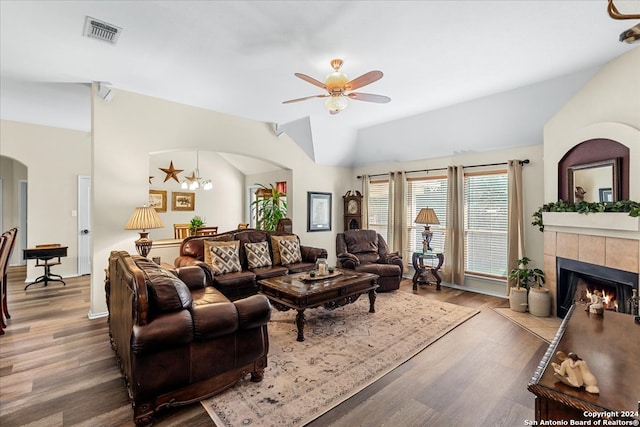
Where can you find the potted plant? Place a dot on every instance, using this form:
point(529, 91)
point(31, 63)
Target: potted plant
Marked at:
point(196, 222)
point(270, 207)
point(527, 278)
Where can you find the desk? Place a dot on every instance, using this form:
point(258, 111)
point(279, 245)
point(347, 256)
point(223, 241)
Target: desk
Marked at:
point(46, 253)
point(610, 345)
point(422, 270)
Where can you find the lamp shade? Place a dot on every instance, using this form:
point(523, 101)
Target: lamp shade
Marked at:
point(427, 216)
point(144, 218)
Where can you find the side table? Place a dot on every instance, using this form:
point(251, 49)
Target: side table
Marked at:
point(423, 269)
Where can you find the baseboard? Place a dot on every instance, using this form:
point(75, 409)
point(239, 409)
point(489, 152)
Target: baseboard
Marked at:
point(93, 316)
point(469, 289)
point(476, 290)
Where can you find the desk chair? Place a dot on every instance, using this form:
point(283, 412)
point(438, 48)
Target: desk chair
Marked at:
point(181, 231)
point(207, 231)
point(46, 260)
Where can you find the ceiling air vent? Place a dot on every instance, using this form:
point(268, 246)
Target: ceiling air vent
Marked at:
point(101, 30)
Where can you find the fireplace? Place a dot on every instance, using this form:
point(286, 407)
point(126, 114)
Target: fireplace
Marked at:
point(577, 280)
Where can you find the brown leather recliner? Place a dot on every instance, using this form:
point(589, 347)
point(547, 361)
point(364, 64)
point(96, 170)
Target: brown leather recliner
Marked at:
point(366, 250)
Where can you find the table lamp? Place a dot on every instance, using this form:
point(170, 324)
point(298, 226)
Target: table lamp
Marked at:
point(427, 216)
point(144, 218)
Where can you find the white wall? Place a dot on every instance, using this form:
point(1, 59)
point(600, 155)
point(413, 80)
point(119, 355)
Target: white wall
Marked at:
point(129, 127)
point(498, 121)
point(607, 107)
point(221, 206)
point(54, 158)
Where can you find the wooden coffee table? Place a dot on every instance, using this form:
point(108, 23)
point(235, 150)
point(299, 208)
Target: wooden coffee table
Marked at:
point(299, 292)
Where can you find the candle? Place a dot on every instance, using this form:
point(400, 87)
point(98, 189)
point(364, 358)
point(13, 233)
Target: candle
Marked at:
point(322, 269)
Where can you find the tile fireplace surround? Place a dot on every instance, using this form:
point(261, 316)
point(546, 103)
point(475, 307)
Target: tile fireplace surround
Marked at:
point(606, 239)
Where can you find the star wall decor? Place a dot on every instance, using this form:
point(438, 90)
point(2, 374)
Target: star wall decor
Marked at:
point(150, 178)
point(171, 172)
point(192, 178)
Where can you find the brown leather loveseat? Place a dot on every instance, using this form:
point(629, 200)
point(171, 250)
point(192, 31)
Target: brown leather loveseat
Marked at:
point(260, 255)
point(366, 250)
point(178, 340)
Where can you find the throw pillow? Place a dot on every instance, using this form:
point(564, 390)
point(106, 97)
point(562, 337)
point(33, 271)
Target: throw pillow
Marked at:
point(290, 252)
point(225, 257)
point(275, 246)
point(257, 254)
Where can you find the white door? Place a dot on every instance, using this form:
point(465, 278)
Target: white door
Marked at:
point(23, 189)
point(84, 225)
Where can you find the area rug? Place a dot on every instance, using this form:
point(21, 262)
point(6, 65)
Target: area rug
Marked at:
point(344, 351)
point(543, 327)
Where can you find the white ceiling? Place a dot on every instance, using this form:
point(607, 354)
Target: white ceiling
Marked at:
point(238, 57)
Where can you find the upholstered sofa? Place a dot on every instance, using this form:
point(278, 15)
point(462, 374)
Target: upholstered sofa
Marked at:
point(367, 251)
point(234, 261)
point(176, 339)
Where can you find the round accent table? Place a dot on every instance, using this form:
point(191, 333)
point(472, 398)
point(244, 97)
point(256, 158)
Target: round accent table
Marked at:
point(425, 263)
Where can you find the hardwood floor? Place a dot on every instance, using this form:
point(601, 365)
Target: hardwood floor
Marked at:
point(57, 369)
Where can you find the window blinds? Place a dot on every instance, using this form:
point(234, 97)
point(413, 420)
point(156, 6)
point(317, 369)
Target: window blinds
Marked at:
point(485, 224)
point(379, 207)
point(426, 193)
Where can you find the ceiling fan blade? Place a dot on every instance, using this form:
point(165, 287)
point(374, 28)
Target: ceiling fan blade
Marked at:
point(381, 99)
point(305, 98)
point(311, 80)
point(363, 80)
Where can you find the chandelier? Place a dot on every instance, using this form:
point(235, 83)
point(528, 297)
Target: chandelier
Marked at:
point(195, 181)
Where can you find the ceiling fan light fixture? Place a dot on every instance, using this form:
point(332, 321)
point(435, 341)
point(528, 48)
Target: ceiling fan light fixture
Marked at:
point(336, 81)
point(336, 103)
point(339, 88)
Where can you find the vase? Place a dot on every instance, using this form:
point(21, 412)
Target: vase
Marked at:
point(540, 302)
point(518, 299)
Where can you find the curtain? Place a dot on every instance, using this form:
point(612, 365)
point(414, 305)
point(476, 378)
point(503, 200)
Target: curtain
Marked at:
point(515, 225)
point(397, 224)
point(453, 271)
point(365, 202)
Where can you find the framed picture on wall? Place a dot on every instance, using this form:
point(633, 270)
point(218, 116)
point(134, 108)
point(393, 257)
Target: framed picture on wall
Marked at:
point(318, 211)
point(158, 200)
point(183, 201)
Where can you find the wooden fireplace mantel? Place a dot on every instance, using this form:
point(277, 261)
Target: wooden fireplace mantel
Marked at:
point(610, 344)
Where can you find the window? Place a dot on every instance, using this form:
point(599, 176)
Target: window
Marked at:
point(426, 193)
point(379, 207)
point(485, 224)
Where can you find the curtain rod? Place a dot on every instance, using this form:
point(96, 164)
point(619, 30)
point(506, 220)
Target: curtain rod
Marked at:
point(522, 162)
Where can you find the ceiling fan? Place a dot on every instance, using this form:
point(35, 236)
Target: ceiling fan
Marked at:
point(339, 87)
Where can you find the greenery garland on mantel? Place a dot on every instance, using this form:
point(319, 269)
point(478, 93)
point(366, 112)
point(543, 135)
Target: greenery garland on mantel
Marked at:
point(633, 208)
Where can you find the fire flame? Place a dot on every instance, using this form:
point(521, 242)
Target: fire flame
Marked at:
point(608, 299)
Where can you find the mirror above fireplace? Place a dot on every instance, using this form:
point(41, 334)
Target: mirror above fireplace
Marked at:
point(594, 165)
point(594, 182)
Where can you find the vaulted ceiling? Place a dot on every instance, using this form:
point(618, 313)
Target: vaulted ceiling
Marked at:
point(239, 57)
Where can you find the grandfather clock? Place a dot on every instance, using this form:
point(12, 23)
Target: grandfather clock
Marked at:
point(352, 210)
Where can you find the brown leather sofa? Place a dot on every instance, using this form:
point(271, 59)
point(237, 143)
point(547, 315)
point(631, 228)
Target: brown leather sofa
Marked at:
point(176, 339)
point(242, 283)
point(366, 250)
